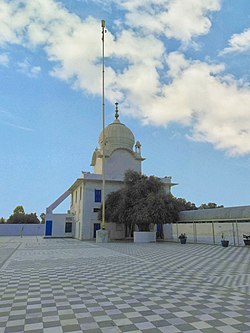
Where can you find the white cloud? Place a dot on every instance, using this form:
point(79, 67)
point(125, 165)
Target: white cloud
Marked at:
point(177, 19)
point(71, 44)
point(238, 43)
point(20, 127)
point(196, 94)
point(215, 107)
point(74, 45)
point(77, 53)
point(6, 115)
point(10, 119)
point(4, 59)
point(26, 68)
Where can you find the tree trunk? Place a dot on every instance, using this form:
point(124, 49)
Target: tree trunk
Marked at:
point(129, 230)
point(143, 227)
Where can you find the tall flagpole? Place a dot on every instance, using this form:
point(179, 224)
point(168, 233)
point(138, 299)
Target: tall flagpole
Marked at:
point(103, 131)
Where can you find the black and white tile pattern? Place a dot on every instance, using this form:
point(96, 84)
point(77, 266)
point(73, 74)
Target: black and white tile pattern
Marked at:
point(65, 285)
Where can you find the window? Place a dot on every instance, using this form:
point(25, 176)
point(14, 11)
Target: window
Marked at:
point(98, 196)
point(80, 193)
point(72, 198)
point(76, 195)
point(96, 210)
point(68, 227)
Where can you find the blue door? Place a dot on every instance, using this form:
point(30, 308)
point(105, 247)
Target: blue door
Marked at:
point(159, 231)
point(48, 230)
point(97, 226)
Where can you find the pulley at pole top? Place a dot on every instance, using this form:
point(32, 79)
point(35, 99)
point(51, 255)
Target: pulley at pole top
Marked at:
point(103, 29)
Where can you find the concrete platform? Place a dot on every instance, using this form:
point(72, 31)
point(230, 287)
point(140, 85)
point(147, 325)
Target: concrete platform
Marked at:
point(65, 285)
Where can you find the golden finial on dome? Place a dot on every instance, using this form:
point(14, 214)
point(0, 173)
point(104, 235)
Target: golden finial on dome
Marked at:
point(116, 111)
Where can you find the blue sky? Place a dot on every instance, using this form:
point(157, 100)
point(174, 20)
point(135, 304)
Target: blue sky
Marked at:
point(180, 71)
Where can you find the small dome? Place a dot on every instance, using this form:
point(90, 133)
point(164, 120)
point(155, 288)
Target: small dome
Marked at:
point(118, 136)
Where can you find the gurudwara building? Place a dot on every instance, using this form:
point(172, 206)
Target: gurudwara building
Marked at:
point(122, 153)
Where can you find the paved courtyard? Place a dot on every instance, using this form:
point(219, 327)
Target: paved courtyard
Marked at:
point(57, 285)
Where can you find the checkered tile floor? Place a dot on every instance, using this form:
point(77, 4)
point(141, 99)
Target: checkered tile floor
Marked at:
point(57, 285)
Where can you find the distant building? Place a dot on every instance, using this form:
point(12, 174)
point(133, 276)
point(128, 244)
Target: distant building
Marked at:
point(213, 223)
point(122, 153)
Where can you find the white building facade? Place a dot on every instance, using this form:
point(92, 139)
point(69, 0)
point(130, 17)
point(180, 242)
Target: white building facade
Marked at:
point(122, 153)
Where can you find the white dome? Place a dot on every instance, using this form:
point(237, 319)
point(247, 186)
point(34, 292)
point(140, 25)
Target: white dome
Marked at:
point(118, 136)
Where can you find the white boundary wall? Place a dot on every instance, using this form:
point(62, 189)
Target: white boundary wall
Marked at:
point(27, 229)
point(144, 236)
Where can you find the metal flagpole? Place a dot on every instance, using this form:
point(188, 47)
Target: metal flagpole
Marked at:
point(103, 131)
